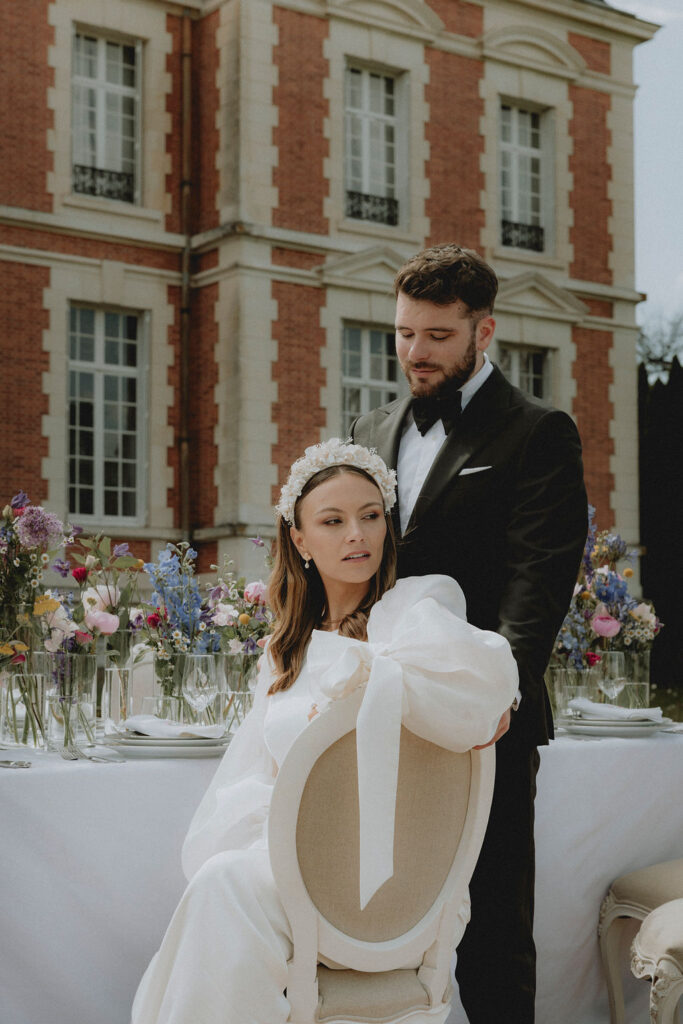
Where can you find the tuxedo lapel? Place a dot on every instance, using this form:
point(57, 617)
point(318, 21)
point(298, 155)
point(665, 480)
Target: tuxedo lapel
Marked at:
point(387, 435)
point(479, 424)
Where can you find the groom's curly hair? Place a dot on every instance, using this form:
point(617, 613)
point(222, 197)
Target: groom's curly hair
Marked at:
point(445, 273)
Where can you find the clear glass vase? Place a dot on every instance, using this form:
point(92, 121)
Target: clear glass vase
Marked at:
point(71, 698)
point(22, 707)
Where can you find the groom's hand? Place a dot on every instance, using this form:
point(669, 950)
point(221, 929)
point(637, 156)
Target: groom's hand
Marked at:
point(503, 727)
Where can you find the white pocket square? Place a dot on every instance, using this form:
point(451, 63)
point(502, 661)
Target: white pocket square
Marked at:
point(474, 469)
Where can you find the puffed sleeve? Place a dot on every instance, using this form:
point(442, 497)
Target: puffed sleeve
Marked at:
point(234, 809)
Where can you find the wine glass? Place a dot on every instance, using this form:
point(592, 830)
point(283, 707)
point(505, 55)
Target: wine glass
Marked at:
point(200, 680)
point(611, 673)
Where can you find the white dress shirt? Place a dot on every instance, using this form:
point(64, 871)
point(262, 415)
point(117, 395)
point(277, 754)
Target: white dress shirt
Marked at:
point(416, 453)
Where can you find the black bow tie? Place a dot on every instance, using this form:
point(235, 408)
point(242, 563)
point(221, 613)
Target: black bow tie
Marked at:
point(426, 411)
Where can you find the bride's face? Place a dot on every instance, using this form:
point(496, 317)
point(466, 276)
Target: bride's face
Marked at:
point(342, 529)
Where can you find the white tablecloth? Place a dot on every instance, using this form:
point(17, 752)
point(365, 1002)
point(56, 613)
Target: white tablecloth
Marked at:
point(90, 872)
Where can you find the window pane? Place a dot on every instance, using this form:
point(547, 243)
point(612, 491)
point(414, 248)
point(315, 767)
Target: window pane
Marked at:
point(111, 503)
point(129, 503)
point(128, 474)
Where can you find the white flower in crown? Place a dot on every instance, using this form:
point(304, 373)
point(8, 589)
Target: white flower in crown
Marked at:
point(335, 452)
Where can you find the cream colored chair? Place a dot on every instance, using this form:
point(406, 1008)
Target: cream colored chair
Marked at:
point(391, 961)
point(633, 895)
point(658, 955)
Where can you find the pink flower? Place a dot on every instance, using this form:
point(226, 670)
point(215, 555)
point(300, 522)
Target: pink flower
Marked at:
point(154, 620)
point(592, 658)
point(80, 574)
point(255, 593)
point(105, 622)
point(83, 638)
point(224, 615)
point(603, 623)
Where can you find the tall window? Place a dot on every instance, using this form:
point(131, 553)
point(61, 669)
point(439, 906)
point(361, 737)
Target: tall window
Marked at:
point(371, 134)
point(526, 368)
point(105, 449)
point(522, 177)
point(105, 93)
point(371, 374)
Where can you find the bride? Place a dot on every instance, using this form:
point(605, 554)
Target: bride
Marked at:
point(224, 957)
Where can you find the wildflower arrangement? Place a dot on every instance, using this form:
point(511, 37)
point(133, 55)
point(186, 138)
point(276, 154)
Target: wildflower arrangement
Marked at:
point(239, 612)
point(177, 620)
point(107, 579)
point(603, 616)
point(29, 537)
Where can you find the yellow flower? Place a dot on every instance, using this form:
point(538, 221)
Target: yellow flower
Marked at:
point(585, 594)
point(44, 603)
point(628, 573)
point(6, 649)
point(19, 647)
point(244, 619)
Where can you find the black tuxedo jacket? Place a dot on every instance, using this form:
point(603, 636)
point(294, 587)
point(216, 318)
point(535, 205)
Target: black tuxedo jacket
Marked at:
point(510, 530)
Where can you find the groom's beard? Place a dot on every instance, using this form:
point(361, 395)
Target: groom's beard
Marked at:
point(454, 375)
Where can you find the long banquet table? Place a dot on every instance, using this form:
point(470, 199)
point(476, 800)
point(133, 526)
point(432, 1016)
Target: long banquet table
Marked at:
point(90, 872)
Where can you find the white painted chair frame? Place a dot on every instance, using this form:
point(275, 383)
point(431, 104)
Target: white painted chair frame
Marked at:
point(430, 941)
point(613, 923)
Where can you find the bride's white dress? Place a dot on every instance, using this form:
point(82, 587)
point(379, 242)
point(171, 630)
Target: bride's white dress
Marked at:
point(224, 957)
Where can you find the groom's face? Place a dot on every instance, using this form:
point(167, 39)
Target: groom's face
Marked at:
point(436, 344)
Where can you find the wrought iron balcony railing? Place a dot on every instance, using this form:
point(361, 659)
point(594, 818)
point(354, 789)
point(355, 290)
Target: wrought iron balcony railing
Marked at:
point(380, 209)
point(523, 236)
point(95, 181)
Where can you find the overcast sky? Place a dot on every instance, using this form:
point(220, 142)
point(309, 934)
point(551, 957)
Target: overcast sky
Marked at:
point(658, 71)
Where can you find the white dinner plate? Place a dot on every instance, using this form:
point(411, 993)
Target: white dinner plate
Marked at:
point(143, 750)
point(604, 728)
point(628, 722)
point(131, 740)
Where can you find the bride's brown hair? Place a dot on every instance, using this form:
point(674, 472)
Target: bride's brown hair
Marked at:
point(297, 595)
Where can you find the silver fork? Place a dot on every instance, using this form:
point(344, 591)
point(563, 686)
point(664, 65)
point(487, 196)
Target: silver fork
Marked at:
point(73, 753)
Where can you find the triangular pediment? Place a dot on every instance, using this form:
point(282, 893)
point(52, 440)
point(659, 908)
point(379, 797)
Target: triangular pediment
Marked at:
point(413, 16)
point(535, 295)
point(373, 268)
point(533, 48)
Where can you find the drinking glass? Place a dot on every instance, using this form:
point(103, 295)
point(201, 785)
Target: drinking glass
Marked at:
point(201, 680)
point(610, 673)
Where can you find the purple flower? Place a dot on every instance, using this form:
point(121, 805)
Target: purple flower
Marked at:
point(62, 567)
point(20, 500)
point(38, 528)
point(120, 550)
point(257, 541)
point(250, 646)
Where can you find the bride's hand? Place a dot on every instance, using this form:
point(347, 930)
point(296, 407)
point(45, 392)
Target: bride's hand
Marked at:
point(503, 727)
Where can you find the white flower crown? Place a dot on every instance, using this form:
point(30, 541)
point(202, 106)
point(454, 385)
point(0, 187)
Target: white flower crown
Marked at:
point(335, 452)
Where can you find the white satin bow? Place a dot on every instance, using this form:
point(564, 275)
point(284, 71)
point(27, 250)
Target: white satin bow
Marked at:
point(422, 665)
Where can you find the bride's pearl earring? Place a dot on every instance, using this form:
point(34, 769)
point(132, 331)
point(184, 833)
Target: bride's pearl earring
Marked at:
point(307, 564)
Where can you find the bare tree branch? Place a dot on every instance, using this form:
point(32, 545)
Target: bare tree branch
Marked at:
point(660, 340)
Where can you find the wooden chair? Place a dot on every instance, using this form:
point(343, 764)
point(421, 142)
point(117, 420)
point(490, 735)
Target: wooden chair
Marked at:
point(658, 955)
point(391, 961)
point(633, 895)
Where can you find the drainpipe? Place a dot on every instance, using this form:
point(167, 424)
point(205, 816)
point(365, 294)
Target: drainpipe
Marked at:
point(185, 227)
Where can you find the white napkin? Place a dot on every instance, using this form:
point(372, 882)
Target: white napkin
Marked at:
point(150, 725)
point(613, 713)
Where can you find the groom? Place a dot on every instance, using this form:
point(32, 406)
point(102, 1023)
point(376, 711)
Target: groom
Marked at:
point(490, 489)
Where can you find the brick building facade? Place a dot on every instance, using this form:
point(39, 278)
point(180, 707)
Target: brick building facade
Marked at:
point(202, 207)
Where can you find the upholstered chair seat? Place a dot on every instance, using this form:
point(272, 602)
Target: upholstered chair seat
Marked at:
point(634, 896)
point(658, 955)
